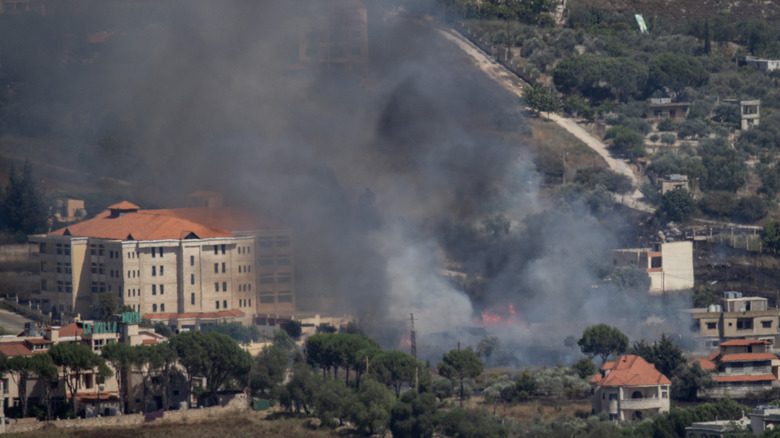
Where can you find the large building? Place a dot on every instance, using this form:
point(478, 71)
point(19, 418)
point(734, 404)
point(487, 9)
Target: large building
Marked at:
point(630, 388)
point(669, 265)
point(736, 317)
point(195, 265)
point(741, 367)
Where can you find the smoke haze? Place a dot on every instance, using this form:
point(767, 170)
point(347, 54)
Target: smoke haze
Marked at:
point(387, 171)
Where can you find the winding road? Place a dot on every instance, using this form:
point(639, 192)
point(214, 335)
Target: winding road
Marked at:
point(513, 84)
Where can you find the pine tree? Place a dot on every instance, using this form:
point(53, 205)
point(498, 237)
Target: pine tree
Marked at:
point(23, 210)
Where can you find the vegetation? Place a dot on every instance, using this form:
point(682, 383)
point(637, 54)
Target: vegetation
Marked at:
point(22, 210)
point(458, 365)
point(603, 340)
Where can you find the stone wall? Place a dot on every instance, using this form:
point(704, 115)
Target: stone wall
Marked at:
point(238, 403)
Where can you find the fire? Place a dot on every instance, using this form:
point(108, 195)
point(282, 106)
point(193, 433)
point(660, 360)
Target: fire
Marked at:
point(508, 316)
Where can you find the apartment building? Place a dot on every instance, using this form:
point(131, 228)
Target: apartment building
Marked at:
point(630, 388)
point(741, 367)
point(736, 317)
point(669, 265)
point(195, 264)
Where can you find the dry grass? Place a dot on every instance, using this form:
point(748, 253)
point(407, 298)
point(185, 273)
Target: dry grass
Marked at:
point(249, 424)
point(529, 411)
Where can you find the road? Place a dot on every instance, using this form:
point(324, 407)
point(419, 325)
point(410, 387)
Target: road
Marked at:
point(514, 85)
point(12, 322)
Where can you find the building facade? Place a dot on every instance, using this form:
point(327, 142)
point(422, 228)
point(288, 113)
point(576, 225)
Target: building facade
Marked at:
point(669, 265)
point(742, 367)
point(736, 317)
point(630, 388)
point(166, 263)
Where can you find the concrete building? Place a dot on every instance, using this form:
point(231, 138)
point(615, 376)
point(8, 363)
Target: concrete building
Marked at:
point(190, 264)
point(717, 428)
point(663, 108)
point(68, 210)
point(630, 388)
point(742, 367)
point(669, 265)
point(736, 317)
point(764, 418)
point(762, 64)
point(673, 182)
point(750, 113)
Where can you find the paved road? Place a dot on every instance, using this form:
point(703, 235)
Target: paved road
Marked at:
point(12, 322)
point(510, 82)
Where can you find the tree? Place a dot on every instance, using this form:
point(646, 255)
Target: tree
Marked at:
point(676, 206)
point(192, 356)
point(486, 347)
point(23, 210)
point(299, 392)
point(235, 330)
point(120, 356)
point(75, 359)
point(394, 369)
point(463, 423)
point(675, 71)
point(293, 328)
point(268, 370)
point(541, 99)
point(626, 142)
point(371, 413)
point(333, 400)
point(39, 366)
point(459, 365)
point(106, 305)
point(585, 368)
point(223, 360)
point(770, 237)
point(724, 168)
point(689, 381)
point(664, 354)
point(414, 415)
point(631, 278)
point(602, 340)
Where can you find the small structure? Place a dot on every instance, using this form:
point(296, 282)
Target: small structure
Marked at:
point(69, 210)
point(669, 265)
point(630, 388)
point(764, 418)
point(673, 182)
point(716, 429)
point(663, 108)
point(736, 317)
point(741, 367)
point(762, 64)
point(749, 111)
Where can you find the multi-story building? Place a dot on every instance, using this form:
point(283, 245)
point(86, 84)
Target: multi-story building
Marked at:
point(669, 265)
point(201, 264)
point(742, 367)
point(736, 317)
point(630, 388)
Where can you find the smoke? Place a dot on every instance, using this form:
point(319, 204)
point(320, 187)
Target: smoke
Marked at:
point(387, 170)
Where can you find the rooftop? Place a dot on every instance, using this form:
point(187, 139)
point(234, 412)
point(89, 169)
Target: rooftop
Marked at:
point(744, 378)
point(742, 342)
point(748, 357)
point(11, 349)
point(127, 221)
point(630, 370)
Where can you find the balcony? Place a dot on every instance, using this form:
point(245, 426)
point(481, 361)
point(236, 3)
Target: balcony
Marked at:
point(643, 403)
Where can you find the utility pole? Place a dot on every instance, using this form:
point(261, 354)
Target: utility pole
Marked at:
point(413, 338)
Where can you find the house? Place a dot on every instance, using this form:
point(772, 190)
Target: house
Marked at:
point(764, 418)
point(762, 64)
point(630, 388)
point(673, 182)
point(663, 108)
point(170, 264)
point(742, 367)
point(736, 317)
point(669, 265)
point(749, 111)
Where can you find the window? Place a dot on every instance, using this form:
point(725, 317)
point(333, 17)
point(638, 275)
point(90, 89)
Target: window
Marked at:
point(224, 286)
point(192, 278)
point(59, 248)
point(712, 325)
point(766, 324)
point(67, 268)
point(216, 287)
point(656, 262)
point(66, 248)
point(266, 242)
point(224, 304)
point(154, 289)
point(282, 241)
point(42, 248)
point(59, 267)
point(154, 307)
point(102, 287)
point(192, 299)
point(283, 278)
point(283, 260)
point(266, 279)
point(162, 270)
point(162, 307)
point(92, 250)
point(216, 250)
point(161, 251)
point(223, 267)
point(44, 285)
point(153, 253)
point(101, 268)
point(68, 287)
point(216, 268)
point(154, 271)
point(192, 260)
point(94, 287)
point(265, 299)
point(250, 302)
point(285, 298)
point(162, 289)
point(266, 261)
point(217, 304)
point(100, 250)
point(223, 249)
point(744, 323)
point(94, 268)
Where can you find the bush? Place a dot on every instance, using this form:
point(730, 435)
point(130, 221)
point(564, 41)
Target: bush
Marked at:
point(718, 204)
point(666, 125)
point(750, 209)
point(591, 177)
point(676, 206)
point(626, 142)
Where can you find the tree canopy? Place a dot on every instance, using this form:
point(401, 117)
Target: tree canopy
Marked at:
point(603, 340)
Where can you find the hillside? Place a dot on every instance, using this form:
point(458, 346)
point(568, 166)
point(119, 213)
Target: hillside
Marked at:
point(688, 9)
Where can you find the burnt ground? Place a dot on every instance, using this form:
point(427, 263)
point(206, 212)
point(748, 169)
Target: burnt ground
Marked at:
point(723, 268)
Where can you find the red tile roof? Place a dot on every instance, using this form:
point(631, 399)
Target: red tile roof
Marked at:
point(137, 224)
point(744, 378)
point(11, 349)
point(234, 313)
point(632, 370)
point(742, 342)
point(747, 357)
point(706, 364)
point(70, 330)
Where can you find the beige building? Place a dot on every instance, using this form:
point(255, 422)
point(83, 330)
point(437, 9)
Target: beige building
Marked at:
point(741, 367)
point(171, 264)
point(736, 317)
point(630, 388)
point(673, 182)
point(669, 265)
point(663, 108)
